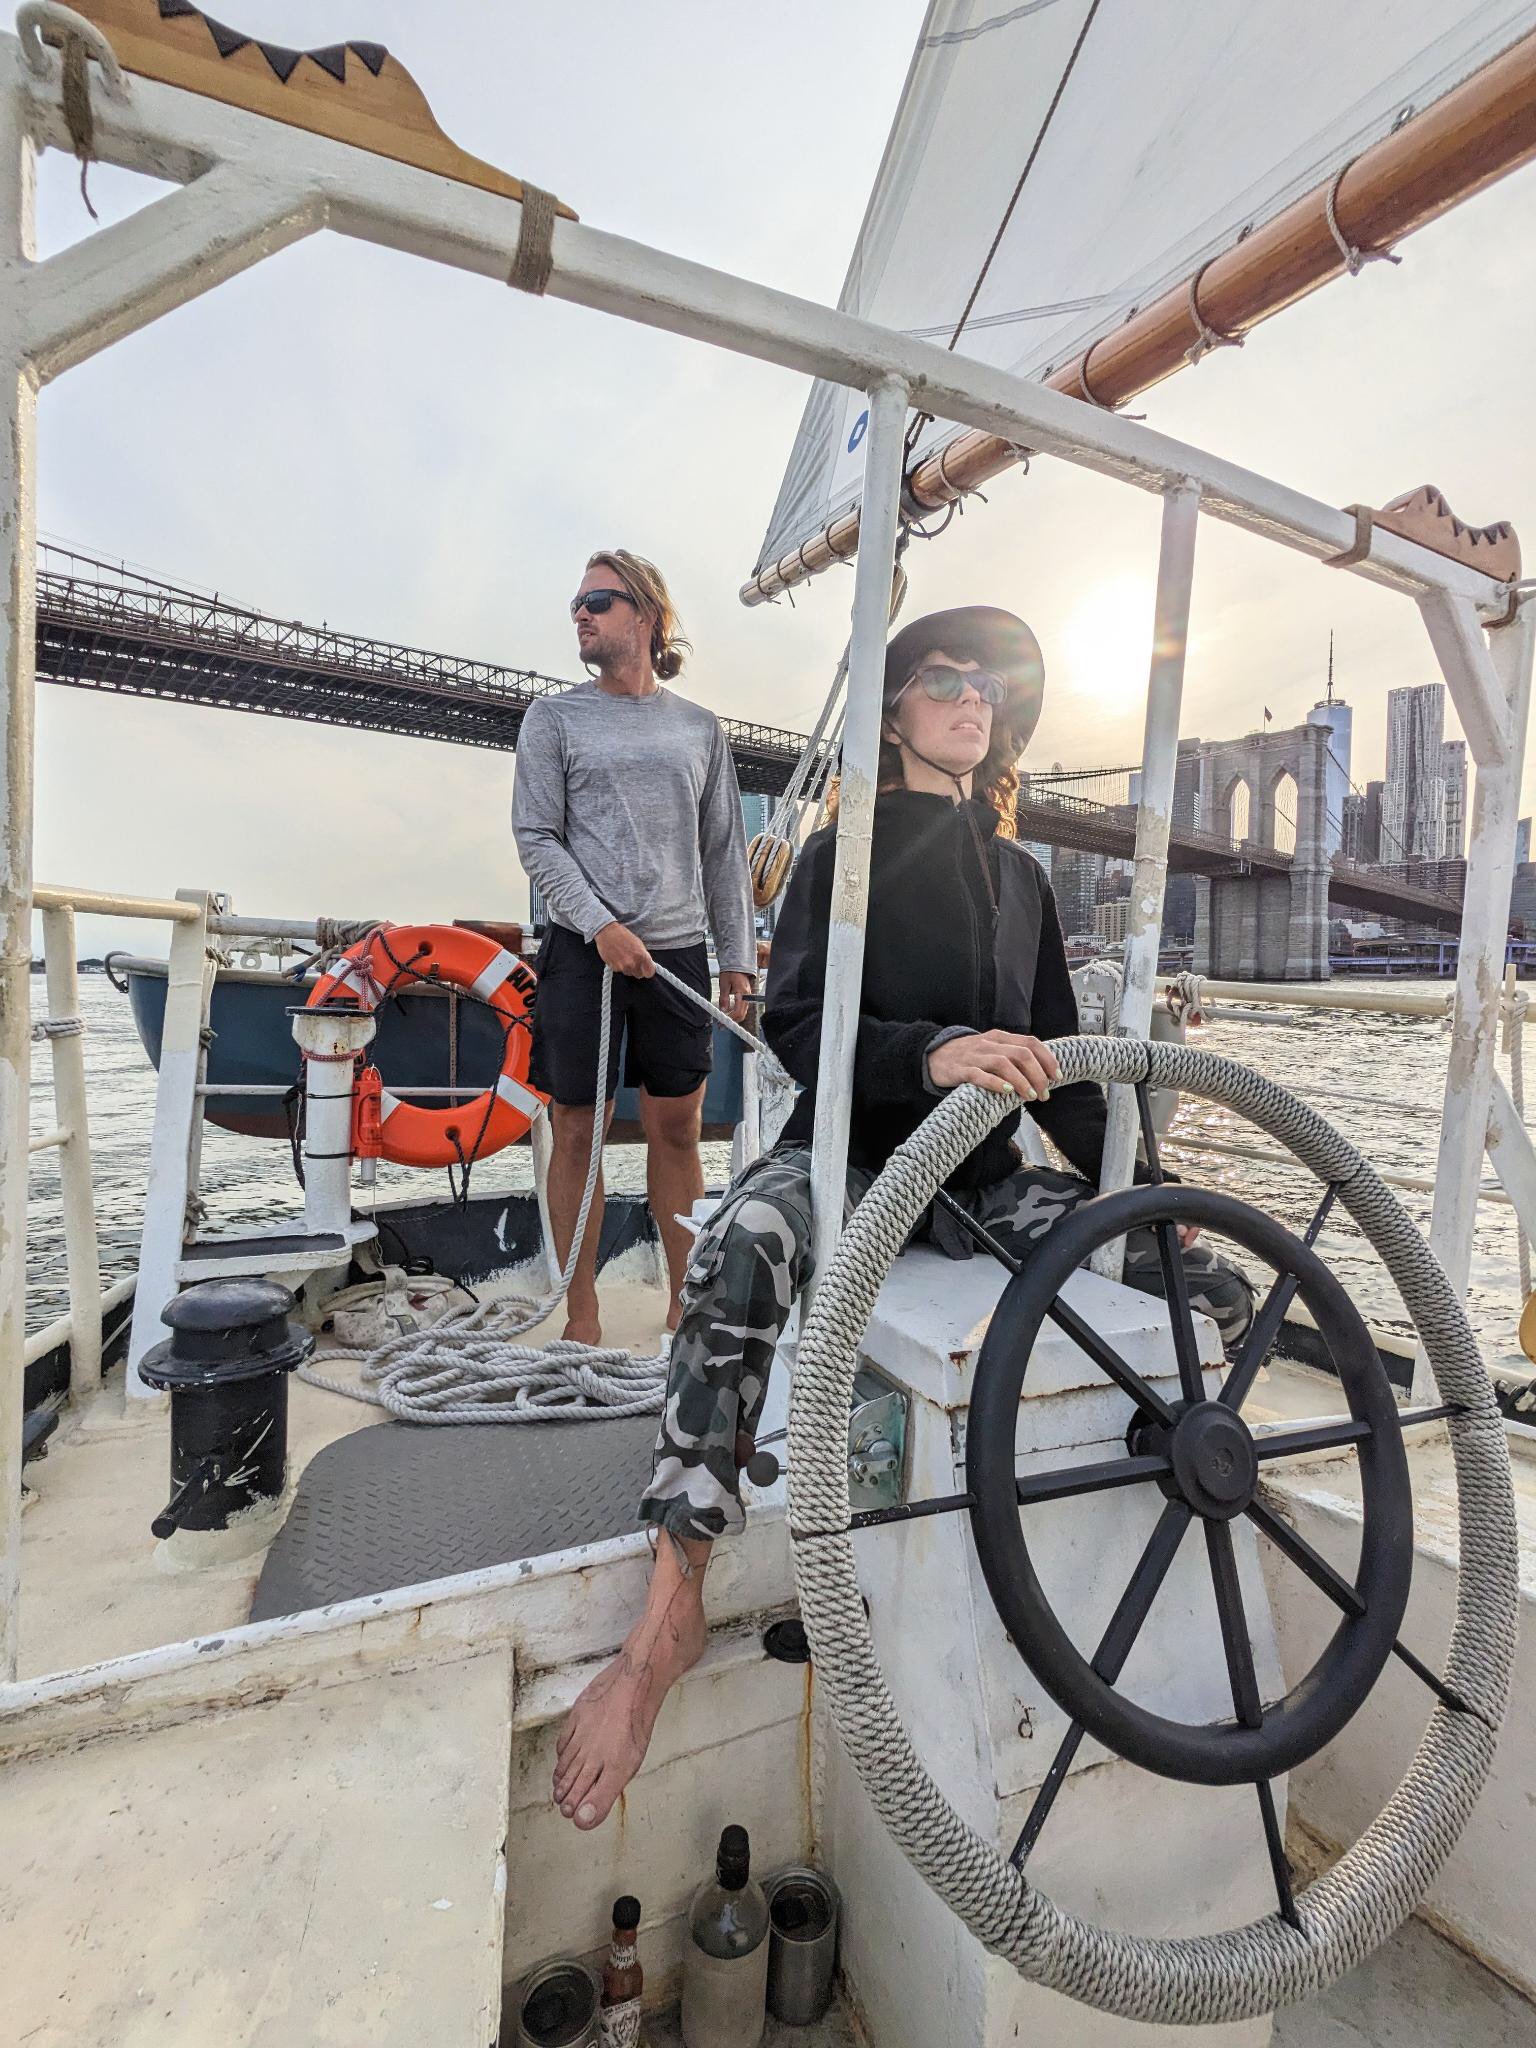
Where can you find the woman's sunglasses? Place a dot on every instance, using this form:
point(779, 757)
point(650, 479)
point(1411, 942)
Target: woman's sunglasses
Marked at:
point(598, 601)
point(948, 685)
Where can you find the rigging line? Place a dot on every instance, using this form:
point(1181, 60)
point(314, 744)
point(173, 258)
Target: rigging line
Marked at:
point(1029, 164)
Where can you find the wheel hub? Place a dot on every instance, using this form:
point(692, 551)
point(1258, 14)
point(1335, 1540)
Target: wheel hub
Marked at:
point(1214, 1463)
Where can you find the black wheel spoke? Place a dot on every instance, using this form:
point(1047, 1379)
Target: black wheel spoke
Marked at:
point(1111, 1364)
point(1279, 1862)
point(1311, 1562)
point(1259, 1342)
point(1175, 1287)
point(1109, 1659)
point(1062, 1482)
point(1318, 1436)
point(912, 1510)
point(1148, 1135)
point(1246, 1703)
point(1083, 1335)
point(1266, 1325)
point(1234, 1625)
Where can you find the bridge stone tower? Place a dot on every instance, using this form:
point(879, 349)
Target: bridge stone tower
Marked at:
point(1253, 924)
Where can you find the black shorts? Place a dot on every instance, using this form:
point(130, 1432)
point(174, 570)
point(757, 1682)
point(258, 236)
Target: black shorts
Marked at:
point(669, 1040)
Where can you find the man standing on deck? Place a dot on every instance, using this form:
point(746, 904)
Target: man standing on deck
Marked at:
point(628, 821)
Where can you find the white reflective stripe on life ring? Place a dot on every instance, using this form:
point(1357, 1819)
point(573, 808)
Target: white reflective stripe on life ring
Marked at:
point(388, 1104)
point(493, 974)
point(521, 1098)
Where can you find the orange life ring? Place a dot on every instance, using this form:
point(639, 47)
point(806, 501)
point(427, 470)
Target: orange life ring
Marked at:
point(450, 957)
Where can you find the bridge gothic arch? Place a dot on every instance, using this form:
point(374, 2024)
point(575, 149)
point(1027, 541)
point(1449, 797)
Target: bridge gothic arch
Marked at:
point(1259, 923)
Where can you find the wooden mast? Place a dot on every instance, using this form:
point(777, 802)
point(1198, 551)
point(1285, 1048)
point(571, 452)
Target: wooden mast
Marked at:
point(1477, 133)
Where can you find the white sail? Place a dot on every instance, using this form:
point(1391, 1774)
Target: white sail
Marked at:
point(1055, 165)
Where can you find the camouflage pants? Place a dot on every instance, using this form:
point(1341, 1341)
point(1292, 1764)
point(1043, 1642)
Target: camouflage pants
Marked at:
point(753, 1257)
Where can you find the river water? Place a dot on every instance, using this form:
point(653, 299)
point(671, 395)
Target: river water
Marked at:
point(1399, 1063)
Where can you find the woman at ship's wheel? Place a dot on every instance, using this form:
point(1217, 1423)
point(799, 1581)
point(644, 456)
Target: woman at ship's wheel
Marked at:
point(965, 975)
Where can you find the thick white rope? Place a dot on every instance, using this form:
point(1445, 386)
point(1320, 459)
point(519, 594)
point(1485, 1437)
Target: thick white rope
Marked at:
point(1244, 1971)
point(471, 1368)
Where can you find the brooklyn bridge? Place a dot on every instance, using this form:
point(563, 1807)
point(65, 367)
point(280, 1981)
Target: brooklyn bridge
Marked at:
point(1263, 905)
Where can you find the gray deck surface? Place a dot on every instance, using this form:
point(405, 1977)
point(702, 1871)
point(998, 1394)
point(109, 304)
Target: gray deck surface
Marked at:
point(402, 1503)
point(1417, 1992)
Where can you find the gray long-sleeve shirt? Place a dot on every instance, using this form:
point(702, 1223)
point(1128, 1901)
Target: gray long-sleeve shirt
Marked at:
point(627, 808)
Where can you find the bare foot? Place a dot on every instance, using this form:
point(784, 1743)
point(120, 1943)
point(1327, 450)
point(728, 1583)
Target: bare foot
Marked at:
point(583, 1330)
point(608, 1731)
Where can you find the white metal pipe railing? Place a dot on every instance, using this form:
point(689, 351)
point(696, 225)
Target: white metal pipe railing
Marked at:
point(47, 1141)
point(18, 676)
point(104, 903)
point(1480, 968)
point(1154, 819)
point(1322, 996)
point(42, 1341)
point(883, 457)
point(81, 1256)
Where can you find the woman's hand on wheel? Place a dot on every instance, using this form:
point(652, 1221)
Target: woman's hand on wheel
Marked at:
point(1006, 1062)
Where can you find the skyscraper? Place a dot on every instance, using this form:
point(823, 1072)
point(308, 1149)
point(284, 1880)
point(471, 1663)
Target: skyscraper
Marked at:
point(1453, 774)
point(1413, 807)
point(1340, 721)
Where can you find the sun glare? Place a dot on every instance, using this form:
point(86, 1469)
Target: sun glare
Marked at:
point(1107, 643)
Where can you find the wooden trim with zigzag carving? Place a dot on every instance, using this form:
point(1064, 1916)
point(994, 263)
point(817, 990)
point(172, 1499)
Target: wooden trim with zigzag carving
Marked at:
point(354, 92)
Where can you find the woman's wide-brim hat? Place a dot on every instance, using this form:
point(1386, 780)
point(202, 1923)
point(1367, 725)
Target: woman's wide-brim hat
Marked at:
point(993, 639)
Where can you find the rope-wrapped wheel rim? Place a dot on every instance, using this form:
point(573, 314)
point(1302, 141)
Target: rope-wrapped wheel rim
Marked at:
point(1343, 1915)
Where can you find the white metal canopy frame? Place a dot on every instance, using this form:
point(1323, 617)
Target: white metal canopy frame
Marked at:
point(1338, 1919)
point(251, 185)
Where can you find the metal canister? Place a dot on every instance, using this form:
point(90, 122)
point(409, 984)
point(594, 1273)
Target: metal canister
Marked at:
point(802, 1945)
point(559, 2006)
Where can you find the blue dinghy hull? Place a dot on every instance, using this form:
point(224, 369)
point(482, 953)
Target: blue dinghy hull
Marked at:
point(253, 1047)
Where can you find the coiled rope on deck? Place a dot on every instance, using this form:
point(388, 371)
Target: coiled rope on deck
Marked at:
point(471, 1367)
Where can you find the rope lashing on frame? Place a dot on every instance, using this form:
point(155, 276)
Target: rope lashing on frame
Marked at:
point(1355, 258)
point(471, 1367)
point(57, 1027)
point(43, 23)
point(1207, 337)
point(534, 259)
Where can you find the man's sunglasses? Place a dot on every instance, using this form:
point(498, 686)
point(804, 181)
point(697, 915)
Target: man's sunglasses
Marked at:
point(947, 685)
point(598, 601)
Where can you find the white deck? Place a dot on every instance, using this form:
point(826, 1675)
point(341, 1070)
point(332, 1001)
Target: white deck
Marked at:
point(326, 1869)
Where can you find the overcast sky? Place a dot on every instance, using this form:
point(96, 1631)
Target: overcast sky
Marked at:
point(357, 437)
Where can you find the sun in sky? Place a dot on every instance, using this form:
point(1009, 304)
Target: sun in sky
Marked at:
point(1106, 644)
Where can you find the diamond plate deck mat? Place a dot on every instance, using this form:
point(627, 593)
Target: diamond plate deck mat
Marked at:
point(397, 1504)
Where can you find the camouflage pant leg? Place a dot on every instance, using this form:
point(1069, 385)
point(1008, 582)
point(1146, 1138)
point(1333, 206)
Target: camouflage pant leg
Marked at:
point(1216, 1287)
point(749, 1262)
point(1021, 1209)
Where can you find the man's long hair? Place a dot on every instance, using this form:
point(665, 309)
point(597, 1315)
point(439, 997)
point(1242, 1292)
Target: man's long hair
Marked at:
point(647, 586)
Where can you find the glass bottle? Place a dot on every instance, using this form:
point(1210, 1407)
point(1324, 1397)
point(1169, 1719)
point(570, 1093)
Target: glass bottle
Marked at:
point(725, 1967)
point(623, 1979)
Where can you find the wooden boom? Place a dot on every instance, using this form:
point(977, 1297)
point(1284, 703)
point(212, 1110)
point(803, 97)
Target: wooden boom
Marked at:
point(1477, 133)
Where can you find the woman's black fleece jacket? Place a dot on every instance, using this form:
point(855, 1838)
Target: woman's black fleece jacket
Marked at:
point(938, 959)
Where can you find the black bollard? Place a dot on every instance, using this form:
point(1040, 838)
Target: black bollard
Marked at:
point(226, 1367)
